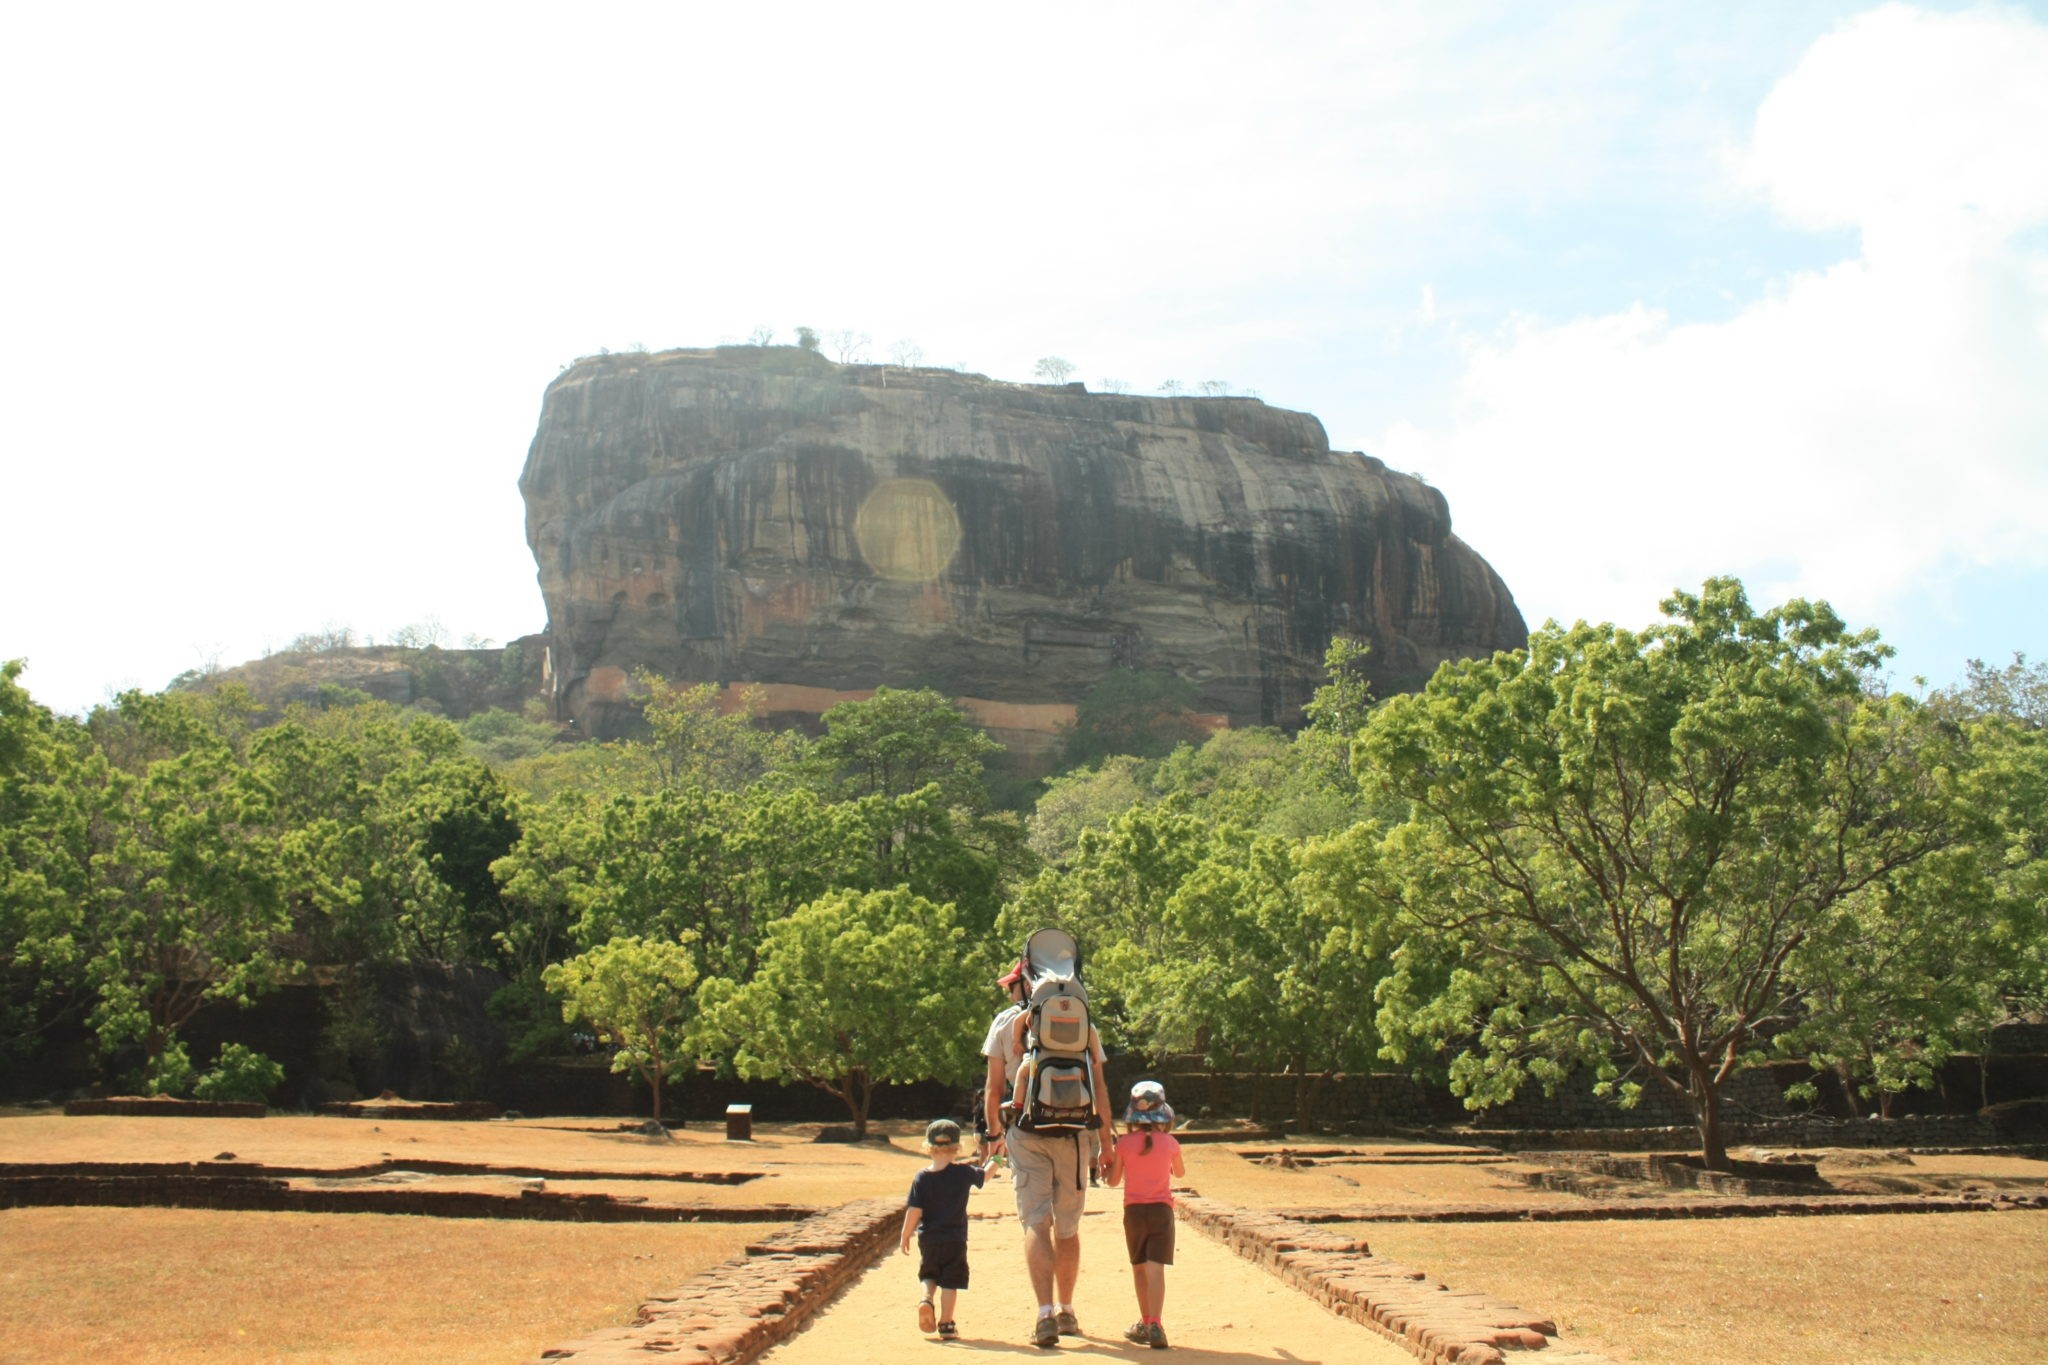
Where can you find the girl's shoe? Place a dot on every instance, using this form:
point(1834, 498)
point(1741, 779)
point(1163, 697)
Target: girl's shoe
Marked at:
point(927, 1316)
point(1139, 1333)
point(948, 1332)
point(1155, 1336)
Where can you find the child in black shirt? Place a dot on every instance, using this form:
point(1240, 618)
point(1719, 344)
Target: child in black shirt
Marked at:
point(937, 1213)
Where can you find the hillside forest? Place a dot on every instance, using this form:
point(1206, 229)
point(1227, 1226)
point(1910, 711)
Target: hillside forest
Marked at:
point(1658, 856)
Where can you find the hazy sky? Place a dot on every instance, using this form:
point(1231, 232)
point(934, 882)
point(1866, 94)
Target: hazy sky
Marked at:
point(1650, 291)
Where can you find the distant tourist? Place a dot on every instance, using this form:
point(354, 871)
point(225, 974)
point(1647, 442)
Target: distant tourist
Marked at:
point(1144, 1161)
point(936, 1214)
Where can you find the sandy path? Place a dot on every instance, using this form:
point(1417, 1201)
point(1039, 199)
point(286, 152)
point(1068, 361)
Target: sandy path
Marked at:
point(1219, 1308)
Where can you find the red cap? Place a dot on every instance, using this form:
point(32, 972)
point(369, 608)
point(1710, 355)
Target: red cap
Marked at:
point(1013, 976)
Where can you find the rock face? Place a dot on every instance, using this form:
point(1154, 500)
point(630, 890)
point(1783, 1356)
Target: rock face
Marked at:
point(761, 515)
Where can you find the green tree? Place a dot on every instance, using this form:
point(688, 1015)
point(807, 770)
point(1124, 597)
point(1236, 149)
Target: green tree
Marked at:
point(1234, 776)
point(636, 993)
point(2006, 788)
point(715, 867)
point(47, 768)
point(1114, 895)
point(896, 742)
point(390, 829)
point(907, 766)
point(545, 882)
point(2018, 692)
point(1619, 842)
point(692, 742)
point(855, 990)
point(186, 899)
point(1084, 799)
point(574, 768)
point(500, 737)
point(1132, 712)
point(1282, 960)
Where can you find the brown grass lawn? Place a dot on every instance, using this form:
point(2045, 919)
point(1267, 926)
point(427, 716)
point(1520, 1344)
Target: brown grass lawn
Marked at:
point(1845, 1288)
point(1217, 1171)
point(176, 1285)
point(183, 1284)
point(172, 1285)
point(1949, 1287)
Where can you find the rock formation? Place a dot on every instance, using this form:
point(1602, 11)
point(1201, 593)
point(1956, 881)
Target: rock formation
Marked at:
point(762, 515)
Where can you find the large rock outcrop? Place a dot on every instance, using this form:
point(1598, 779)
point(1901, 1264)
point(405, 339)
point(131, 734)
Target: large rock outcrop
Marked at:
point(761, 515)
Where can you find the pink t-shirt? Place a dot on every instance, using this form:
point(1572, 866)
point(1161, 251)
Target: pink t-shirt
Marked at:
point(1148, 1176)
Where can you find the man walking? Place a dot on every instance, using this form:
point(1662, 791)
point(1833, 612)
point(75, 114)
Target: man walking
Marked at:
point(1048, 1169)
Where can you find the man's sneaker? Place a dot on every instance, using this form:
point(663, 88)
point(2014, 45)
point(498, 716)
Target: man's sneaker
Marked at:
point(1139, 1333)
point(948, 1332)
point(1069, 1325)
point(1045, 1332)
point(1156, 1336)
point(927, 1317)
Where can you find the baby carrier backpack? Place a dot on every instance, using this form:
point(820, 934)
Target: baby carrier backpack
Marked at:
point(1055, 1080)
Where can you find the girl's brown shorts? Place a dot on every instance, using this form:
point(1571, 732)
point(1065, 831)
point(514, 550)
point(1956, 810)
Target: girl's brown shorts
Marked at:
point(1148, 1233)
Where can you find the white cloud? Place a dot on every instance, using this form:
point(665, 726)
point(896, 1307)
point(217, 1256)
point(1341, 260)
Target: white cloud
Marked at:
point(1859, 434)
point(1903, 120)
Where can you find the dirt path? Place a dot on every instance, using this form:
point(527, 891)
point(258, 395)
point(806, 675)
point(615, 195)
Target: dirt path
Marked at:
point(1219, 1308)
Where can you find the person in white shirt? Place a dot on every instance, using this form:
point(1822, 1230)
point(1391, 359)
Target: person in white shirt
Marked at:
point(1048, 1170)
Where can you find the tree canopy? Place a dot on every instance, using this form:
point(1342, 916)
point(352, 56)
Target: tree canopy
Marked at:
point(1655, 855)
point(637, 993)
point(853, 990)
point(1622, 843)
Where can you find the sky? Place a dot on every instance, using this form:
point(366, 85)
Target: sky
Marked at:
point(1651, 292)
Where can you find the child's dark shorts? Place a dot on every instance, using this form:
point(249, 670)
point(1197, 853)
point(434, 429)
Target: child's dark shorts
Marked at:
point(1148, 1233)
point(942, 1263)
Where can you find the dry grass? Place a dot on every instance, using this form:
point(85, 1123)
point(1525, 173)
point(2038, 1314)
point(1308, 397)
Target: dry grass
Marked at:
point(176, 1285)
point(1846, 1288)
point(793, 1169)
point(161, 1285)
point(1217, 1171)
point(1933, 1174)
point(169, 1285)
point(1920, 1287)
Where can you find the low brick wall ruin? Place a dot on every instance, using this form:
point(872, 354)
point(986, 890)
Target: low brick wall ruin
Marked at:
point(163, 1106)
point(272, 1194)
point(1634, 1210)
point(733, 1312)
point(450, 1110)
point(1440, 1326)
point(1922, 1132)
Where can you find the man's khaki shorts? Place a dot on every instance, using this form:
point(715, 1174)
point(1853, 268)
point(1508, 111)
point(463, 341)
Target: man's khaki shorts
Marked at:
point(1051, 1179)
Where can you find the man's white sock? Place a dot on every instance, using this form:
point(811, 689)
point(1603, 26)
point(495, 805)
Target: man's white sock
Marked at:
point(1045, 1310)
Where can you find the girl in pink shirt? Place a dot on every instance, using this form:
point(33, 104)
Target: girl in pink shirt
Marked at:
point(1144, 1162)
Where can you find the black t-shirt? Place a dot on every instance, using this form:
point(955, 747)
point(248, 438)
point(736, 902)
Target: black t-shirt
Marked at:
point(942, 1194)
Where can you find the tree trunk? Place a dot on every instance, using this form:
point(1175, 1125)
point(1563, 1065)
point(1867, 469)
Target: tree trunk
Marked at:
point(859, 1095)
point(1706, 1106)
point(654, 1077)
point(1848, 1084)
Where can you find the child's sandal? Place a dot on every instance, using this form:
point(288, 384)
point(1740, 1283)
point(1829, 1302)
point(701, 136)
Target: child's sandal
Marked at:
point(927, 1316)
point(948, 1332)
